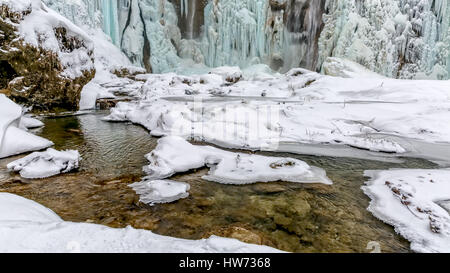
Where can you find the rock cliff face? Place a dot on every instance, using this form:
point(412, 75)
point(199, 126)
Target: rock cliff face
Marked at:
point(45, 60)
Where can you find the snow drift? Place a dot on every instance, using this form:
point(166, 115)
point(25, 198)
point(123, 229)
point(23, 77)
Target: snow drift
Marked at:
point(26, 226)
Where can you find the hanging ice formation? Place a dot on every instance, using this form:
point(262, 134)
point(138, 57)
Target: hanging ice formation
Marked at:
point(82, 13)
point(397, 38)
point(111, 20)
point(402, 38)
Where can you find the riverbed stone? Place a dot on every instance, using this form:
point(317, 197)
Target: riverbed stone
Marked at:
point(239, 233)
point(269, 188)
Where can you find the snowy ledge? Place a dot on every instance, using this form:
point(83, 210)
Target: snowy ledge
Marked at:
point(26, 226)
point(416, 203)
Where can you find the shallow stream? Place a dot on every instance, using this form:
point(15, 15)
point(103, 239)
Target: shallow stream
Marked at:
point(292, 217)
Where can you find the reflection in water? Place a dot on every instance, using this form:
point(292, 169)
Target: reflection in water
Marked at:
point(289, 216)
point(108, 149)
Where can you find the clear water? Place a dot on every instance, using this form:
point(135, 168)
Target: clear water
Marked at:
point(288, 216)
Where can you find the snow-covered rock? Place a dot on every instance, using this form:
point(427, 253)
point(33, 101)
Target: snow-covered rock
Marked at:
point(46, 164)
point(174, 155)
point(110, 62)
point(13, 137)
point(26, 226)
point(413, 201)
point(47, 57)
point(160, 191)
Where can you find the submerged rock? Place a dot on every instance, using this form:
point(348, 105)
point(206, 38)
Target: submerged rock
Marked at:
point(239, 233)
point(45, 59)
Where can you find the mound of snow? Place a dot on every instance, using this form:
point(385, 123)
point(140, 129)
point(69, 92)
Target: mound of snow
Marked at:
point(414, 202)
point(26, 226)
point(46, 164)
point(160, 191)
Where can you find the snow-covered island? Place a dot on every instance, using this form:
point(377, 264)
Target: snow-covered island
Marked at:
point(272, 110)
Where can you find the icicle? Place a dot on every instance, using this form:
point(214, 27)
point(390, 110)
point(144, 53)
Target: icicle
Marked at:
point(185, 7)
point(110, 20)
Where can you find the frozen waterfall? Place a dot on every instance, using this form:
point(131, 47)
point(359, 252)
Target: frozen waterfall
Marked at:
point(111, 20)
point(401, 39)
point(396, 38)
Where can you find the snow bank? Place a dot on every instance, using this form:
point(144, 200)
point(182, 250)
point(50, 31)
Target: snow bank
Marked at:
point(160, 191)
point(26, 226)
point(410, 200)
point(174, 155)
point(46, 164)
point(299, 106)
point(14, 140)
